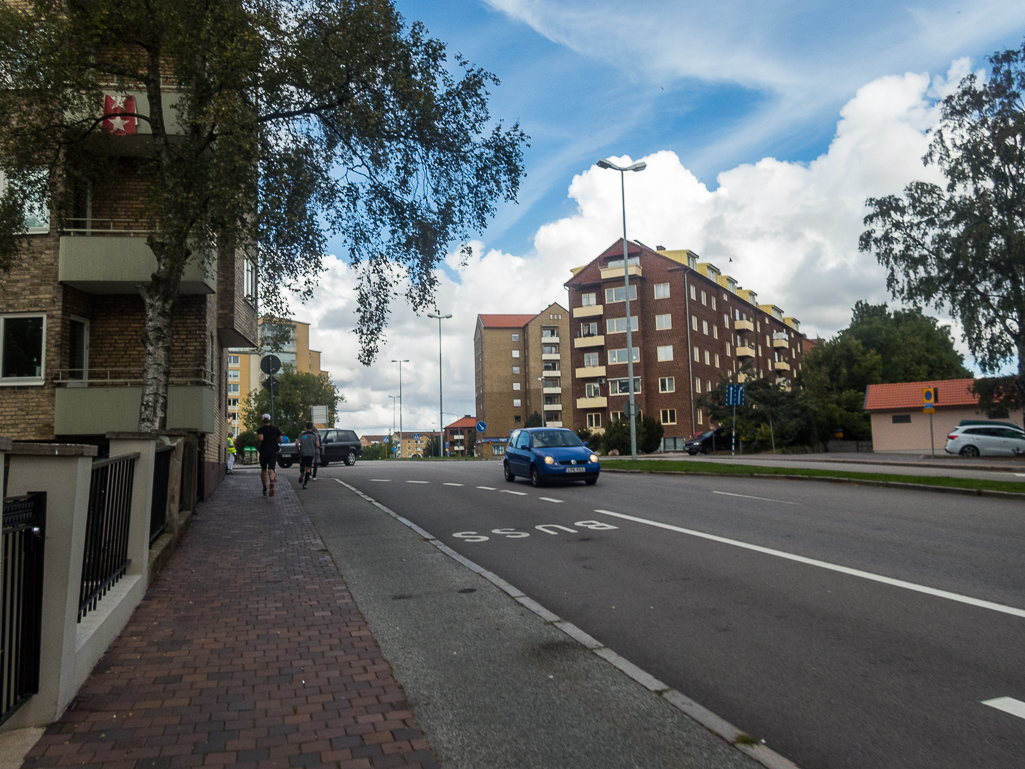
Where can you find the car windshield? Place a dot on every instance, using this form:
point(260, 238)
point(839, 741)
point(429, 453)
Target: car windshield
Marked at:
point(550, 439)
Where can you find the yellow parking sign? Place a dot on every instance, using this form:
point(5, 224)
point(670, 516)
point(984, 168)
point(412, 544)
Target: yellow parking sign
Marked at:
point(929, 400)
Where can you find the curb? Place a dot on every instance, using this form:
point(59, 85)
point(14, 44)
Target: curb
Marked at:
point(715, 724)
point(833, 479)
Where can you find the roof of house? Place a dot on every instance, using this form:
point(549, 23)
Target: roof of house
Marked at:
point(466, 421)
point(506, 321)
point(908, 395)
point(373, 438)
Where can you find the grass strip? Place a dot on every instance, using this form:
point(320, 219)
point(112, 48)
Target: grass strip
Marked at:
point(711, 468)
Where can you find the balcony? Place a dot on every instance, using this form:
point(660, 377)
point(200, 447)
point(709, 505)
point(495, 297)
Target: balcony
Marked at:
point(611, 273)
point(600, 402)
point(744, 325)
point(781, 365)
point(116, 264)
point(588, 341)
point(107, 400)
point(549, 340)
point(551, 356)
point(588, 312)
point(551, 373)
point(551, 390)
point(556, 423)
point(780, 342)
point(745, 352)
point(590, 371)
point(553, 407)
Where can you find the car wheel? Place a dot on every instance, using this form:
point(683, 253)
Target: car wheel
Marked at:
point(591, 481)
point(706, 449)
point(969, 451)
point(535, 478)
point(509, 476)
point(350, 458)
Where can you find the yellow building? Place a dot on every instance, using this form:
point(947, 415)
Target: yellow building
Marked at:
point(244, 373)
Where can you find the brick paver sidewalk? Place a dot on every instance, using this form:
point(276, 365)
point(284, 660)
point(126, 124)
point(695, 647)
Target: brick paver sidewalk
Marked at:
point(248, 651)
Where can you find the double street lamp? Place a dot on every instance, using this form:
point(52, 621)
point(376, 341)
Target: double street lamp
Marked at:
point(626, 289)
point(441, 417)
point(391, 445)
point(401, 436)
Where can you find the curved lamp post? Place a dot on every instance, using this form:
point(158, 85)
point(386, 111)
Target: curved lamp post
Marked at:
point(441, 418)
point(401, 436)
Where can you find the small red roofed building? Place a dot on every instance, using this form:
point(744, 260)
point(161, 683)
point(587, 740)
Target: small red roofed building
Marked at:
point(900, 425)
point(457, 443)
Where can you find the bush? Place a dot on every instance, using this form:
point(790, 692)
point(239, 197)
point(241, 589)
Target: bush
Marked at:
point(617, 437)
point(649, 434)
point(592, 439)
point(244, 439)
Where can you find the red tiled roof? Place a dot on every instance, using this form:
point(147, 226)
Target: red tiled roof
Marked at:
point(908, 395)
point(463, 422)
point(506, 321)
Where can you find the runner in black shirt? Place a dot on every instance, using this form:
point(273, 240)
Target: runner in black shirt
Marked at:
point(267, 439)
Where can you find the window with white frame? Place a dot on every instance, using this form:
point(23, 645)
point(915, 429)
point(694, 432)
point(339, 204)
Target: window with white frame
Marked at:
point(667, 384)
point(693, 292)
point(591, 359)
point(516, 403)
point(516, 369)
point(588, 300)
point(23, 348)
point(707, 359)
point(549, 349)
point(232, 403)
point(234, 375)
point(726, 319)
point(622, 386)
point(715, 332)
point(669, 416)
point(717, 360)
point(697, 355)
point(618, 325)
point(619, 355)
point(704, 298)
point(589, 329)
point(704, 327)
point(665, 352)
point(515, 337)
point(594, 420)
point(664, 322)
point(728, 353)
point(233, 360)
point(701, 417)
point(592, 390)
point(697, 384)
point(661, 290)
point(713, 301)
point(516, 385)
point(694, 322)
point(708, 385)
point(516, 353)
point(233, 389)
point(616, 416)
point(618, 294)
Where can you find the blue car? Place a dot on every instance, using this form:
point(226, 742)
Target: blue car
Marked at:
point(546, 454)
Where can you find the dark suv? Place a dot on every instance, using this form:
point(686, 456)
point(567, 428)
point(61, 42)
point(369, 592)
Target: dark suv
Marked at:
point(335, 446)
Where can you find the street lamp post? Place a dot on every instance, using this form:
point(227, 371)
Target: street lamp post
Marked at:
point(441, 417)
point(603, 163)
point(401, 436)
point(544, 416)
point(393, 399)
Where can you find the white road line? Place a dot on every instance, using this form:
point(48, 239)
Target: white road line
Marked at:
point(378, 480)
point(549, 499)
point(517, 493)
point(747, 496)
point(1008, 705)
point(830, 566)
point(452, 484)
point(1020, 475)
point(487, 488)
point(417, 481)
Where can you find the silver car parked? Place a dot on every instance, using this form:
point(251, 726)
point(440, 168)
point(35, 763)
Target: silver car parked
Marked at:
point(990, 441)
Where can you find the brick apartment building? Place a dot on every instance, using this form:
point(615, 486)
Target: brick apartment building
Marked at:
point(521, 366)
point(457, 436)
point(692, 326)
point(71, 323)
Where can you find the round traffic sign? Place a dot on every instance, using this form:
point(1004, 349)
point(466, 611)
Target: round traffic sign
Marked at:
point(481, 427)
point(270, 364)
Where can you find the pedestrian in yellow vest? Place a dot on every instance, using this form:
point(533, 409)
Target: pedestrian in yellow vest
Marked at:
point(231, 455)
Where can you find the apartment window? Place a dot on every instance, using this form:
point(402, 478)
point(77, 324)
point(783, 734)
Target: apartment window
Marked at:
point(517, 419)
point(704, 298)
point(549, 333)
point(667, 384)
point(615, 416)
point(22, 348)
point(591, 390)
point(708, 385)
point(728, 353)
point(902, 419)
point(665, 352)
point(249, 281)
point(758, 326)
point(516, 385)
point(232, 403)
point(588, 329)
point(516, 369)
point(697, 355)
point(701, 417)
point(717, 360)
point(515, 337)
point(693, 292)
point(661, 290)
point(233, 360)
point(707, 359)
point(669, 416)
point(78, 349)
point(664, 322)
point(759, 351)
point(704, 327)
point(234, 376)
point(233, 389)
point(588, 300)
point(726, 320)
point(619, 294)
point(694, 322)
point(516, 353)
point(516, 403)
point(594, 420)
point(697, 385)
point(497, 448)
point(590, 359)
point(618, 325)
point(622, 386)
point(37, 218)
point(619, 356)
point(713, 302)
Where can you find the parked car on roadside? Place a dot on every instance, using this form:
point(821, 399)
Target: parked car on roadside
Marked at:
point(985, 440)
point(546, 454)
point(707, 442)
point(335, 446)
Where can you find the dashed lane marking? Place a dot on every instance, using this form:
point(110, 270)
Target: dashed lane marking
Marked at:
point(830, 566)
point(487, 488)
point(1008, 705)
point(747, 496)
point(380, 480)
point(452, 484)
point(549, 499)
point(517, 493)
point(417, 481)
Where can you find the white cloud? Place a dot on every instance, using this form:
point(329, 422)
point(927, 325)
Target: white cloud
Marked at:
point(790, 229)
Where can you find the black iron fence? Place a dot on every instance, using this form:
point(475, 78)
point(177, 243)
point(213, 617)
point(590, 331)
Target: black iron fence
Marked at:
point(21, 599)
point(161, 478)
point(106, 532)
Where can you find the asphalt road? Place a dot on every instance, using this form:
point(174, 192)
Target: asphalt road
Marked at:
point(846, 626)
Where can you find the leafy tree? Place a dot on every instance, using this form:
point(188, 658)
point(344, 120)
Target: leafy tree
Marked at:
point(298, 392)
point(649, 434)
point(593, 439)
point(770, 414)
point(962, 246)
point(245, 439)
point(375, 451)
point(431, 447)
point(471, 442)
point(617, 437)
point(298, 121)
point(534, 420)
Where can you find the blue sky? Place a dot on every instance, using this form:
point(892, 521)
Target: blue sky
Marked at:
point(765, 127)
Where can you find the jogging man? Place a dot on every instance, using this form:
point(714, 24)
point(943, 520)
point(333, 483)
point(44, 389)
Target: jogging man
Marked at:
point(267, 439)
point(309, 442)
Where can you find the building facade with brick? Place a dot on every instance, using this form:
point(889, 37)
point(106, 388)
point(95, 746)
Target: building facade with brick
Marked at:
point(521, 366)
point(691, 327)
point(460, 437)
point(71, 323)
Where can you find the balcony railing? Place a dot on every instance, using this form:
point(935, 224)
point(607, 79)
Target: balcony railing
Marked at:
point(745, 352)
point(589, 311)
point(128, 377)
point(781, 365)
point(87, 227)
point(743, 325)
point(595, 340)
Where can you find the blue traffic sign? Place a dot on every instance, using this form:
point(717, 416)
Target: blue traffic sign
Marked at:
point(416, 436)
point(735, 395)
point(481, 427)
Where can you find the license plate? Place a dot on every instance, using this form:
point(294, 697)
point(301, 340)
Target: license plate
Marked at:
point(576, 469)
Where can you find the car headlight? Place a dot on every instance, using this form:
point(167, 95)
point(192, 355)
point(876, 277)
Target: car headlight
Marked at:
point(549, 461)
point(594, 458)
